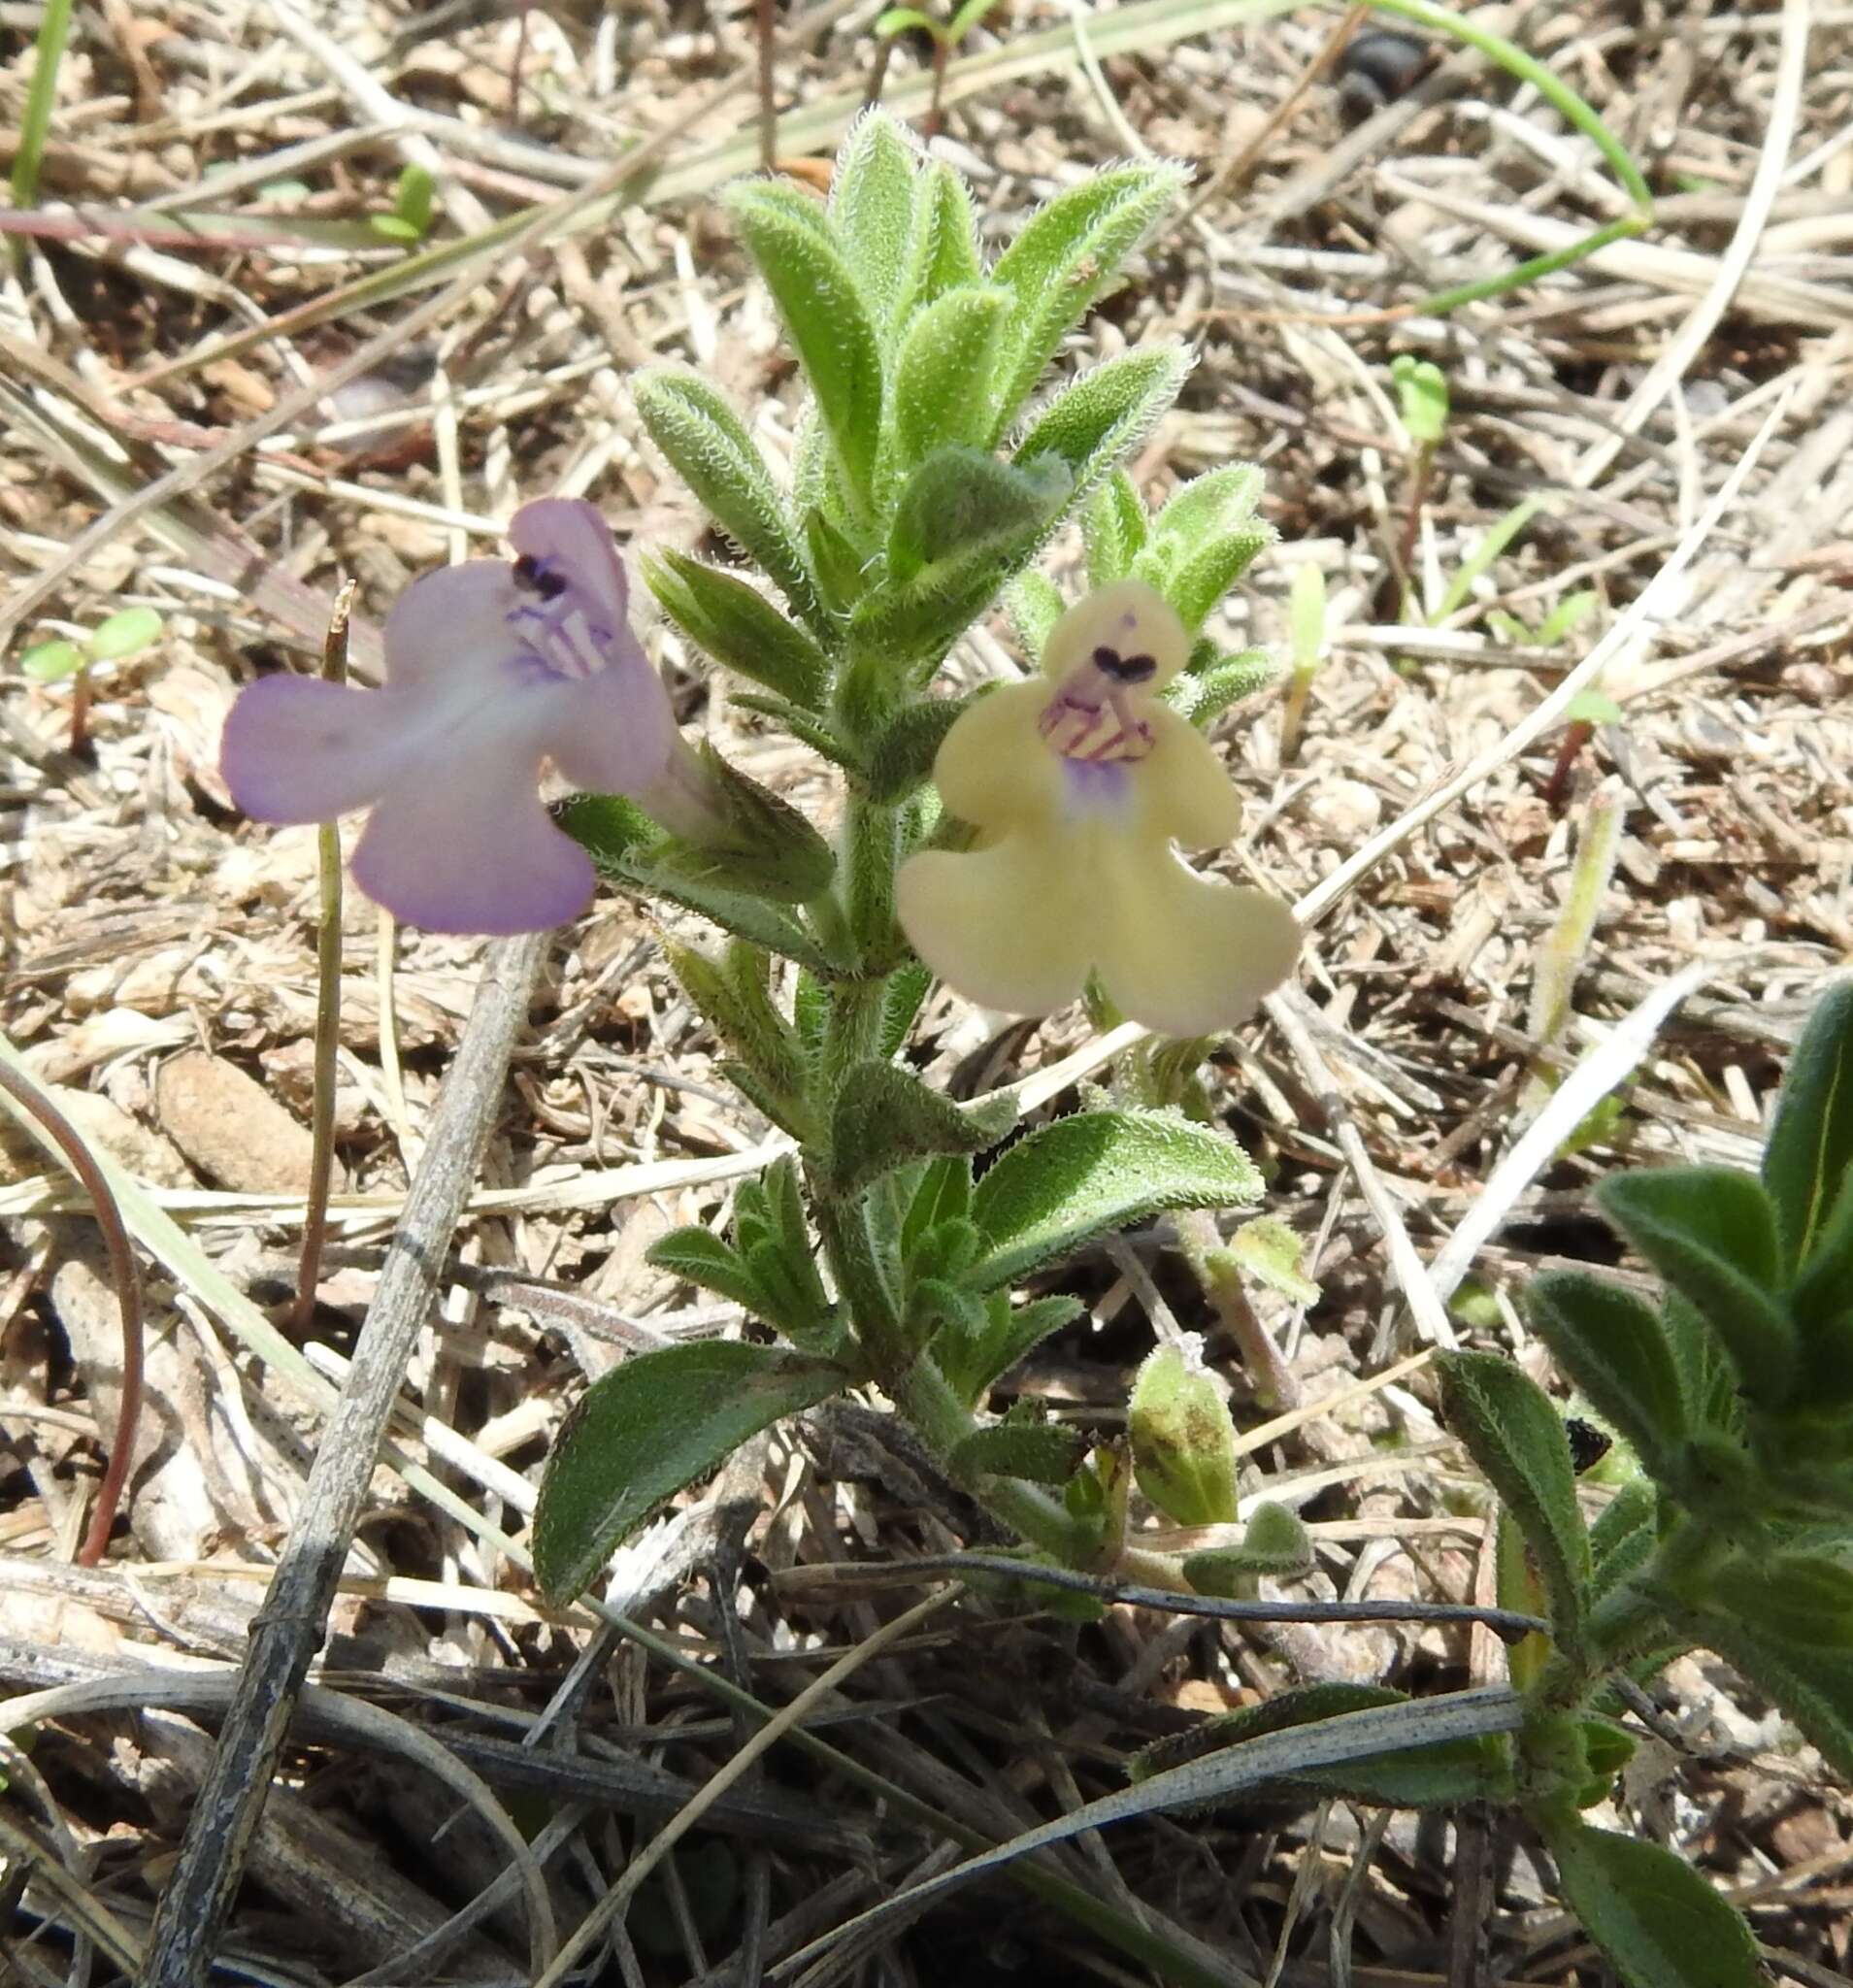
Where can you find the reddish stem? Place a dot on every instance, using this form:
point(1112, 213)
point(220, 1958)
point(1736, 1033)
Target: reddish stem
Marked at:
point(80, 711)
point(942, 55)
point(128, 1297)
point(1577, 735)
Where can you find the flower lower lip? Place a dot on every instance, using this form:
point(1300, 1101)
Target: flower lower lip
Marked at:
point(1095, 787)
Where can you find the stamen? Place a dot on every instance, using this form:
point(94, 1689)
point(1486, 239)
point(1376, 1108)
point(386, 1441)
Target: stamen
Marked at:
point(556, 631)
point(536, 578)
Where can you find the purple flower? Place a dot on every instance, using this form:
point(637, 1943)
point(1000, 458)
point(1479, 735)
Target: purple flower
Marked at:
point(491, 667)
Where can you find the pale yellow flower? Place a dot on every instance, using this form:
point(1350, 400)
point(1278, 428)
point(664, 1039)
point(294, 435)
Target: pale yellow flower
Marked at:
point(1080, 784)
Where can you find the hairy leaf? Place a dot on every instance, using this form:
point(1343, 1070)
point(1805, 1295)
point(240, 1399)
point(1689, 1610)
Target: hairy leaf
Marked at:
point(1069, 1182)
point(1517, 1437)
point(647, 1429)
point(739, 627)
point(1711, 1233)
point(823, 310)
point(1655, 1917)
point(706, 445)
point(1613, 1346)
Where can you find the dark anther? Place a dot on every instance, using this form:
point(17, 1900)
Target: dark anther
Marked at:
point(540, 579)
point(1124, 669)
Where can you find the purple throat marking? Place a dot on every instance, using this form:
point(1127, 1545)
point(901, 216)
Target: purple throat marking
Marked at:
point(558, 630)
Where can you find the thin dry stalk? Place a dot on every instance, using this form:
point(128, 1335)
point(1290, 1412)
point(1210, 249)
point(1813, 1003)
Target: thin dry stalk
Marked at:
point(56, 1130)
point(322, 1164)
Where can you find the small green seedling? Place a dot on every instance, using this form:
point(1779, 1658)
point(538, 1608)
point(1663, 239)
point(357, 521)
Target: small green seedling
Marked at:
point(947, 37)
point(1307, 624)
point(412, 201)
point(1422, 404)
point(1558, 626)
point(122, 635)
point(1587, 710)
point(1421, 396)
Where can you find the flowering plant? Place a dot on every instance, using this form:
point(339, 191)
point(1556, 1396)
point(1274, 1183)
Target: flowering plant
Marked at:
point(1027, 844)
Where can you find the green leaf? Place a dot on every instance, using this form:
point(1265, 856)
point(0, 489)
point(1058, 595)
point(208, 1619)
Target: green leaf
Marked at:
point(414, 199)
point(699, 1258)
point(739, 627)
point(901, 753)
point(1563, 620)
point(819, 733)
point(942, 374)
point(941, 1194)
point(1273, 1253)
point(872, 204)
point(758, 842)
point(1033, 605)
point(1515, 1435)
point(124, 634)
point(1106, 413)
point(732, 997)
point(1198, 585)
point(908, 987)
point(1811, 1681)
point(1795, 1598)
point(1587, 707)
point(627, 849)
point(1184, 1442)
point(1202, 696)
point(1210, 507)
point(1038, 1451)
point(1067, 257)
point(1810, 1144)
point(967, 17)
point(999, 523)
point(648, 1428)
point(1113, 528)
point(1274, 1543)
point(1711, 1233)
point(962, 502)
point(946, 239)
point(826, 320)
point(50, 662)
point(1623, 1536)
point(1305, 617)
point(975, 1365)
point(706, 445)
point(843, 572)
point(1608, 1748)
point(901, 21)
point(1421, 392)
point(885, 1117)
point(389, 227)
point(1066, 1182)
point(1613, 1346)
point(1655, 1917)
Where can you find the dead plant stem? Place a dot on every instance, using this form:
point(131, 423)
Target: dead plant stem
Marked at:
point(287, 1630)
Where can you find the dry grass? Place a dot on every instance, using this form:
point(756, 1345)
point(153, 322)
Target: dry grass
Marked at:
point(143, 923)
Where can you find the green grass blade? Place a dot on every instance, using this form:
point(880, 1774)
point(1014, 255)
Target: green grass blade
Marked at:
point(41, 97)
point(1526, 68)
